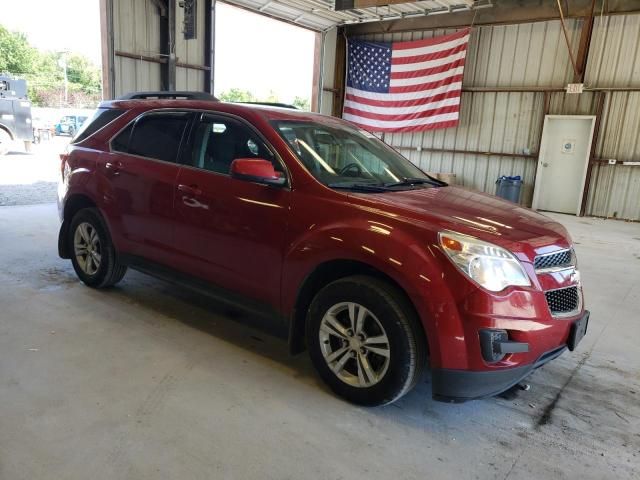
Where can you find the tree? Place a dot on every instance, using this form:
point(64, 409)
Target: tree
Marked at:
point(237, 95)
point(302, 103)
point(16, 55)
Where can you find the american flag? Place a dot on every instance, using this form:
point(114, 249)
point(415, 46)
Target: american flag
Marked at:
point(405, 86)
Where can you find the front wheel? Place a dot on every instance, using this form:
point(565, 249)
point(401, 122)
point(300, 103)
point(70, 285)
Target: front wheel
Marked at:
point(365, 341)
point(92, 252)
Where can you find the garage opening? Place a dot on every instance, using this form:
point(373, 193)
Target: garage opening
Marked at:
point(259, 59)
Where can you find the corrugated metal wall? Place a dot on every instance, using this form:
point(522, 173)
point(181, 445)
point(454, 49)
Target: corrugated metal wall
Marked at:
point(535, 56)
point(614, 62)
point(191, 51)
point(136, 30)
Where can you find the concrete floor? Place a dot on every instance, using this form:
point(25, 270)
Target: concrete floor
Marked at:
point(28, 178)
point(150, 382)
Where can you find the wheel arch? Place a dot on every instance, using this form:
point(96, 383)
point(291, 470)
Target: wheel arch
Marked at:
point(322, 275)
point(73, 205)
point(8, 130)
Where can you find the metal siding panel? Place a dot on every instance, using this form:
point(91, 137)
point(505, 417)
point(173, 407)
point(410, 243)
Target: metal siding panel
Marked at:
point(570, 104)
point(615, 189)
point(497, 122)
point(614, 59)
point(137, 31)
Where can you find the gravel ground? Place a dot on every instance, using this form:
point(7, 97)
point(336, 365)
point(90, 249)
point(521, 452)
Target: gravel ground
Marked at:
point(31, 178)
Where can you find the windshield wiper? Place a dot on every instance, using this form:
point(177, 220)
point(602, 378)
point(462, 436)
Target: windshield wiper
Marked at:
point(362, 187)
point(408, 182)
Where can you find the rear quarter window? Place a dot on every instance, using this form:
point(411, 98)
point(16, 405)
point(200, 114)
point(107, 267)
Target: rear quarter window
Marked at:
point(100, 118)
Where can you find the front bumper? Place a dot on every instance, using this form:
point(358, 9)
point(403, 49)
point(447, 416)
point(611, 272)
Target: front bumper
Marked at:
point(457, 386)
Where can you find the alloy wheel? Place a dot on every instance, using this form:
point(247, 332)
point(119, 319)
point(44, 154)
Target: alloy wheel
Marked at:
point(354, 344)
point(87, 248)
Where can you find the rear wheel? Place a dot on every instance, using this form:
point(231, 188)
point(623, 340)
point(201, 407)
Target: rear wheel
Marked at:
point(365, 341)
point(92, 253)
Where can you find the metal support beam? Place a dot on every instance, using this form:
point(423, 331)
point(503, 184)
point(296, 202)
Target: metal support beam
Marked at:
point(567, 41)
point(108, 56)
point(210, 44)
point(164, 49)
point(171, 64)
point(584, 46)
point(318, 62)
point(339, 73)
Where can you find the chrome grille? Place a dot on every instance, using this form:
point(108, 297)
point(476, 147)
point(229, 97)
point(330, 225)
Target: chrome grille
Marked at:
point(563, 300)
point(559, 259)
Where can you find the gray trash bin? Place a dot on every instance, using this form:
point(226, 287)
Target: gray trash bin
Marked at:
point(509, 188)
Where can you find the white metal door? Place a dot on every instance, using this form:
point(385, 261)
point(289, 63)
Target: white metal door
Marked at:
point(563, 161)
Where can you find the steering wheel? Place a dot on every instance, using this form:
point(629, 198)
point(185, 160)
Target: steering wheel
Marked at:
point(351, 167)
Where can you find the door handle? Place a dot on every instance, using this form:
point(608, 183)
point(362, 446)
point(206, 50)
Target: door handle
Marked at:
point(113, 167)
point(193, 203)
point(545, 164)
point(189, 189)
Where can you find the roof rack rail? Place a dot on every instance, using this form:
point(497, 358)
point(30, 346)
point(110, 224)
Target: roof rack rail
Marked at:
point(165, 94)
point(270, 104)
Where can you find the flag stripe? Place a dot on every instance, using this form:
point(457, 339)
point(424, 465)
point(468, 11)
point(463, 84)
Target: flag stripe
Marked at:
point(425, 86)
point(432, 60)
point(402, 103)
point(429, 49)
point(455, 101)
point(433, 113)
point(394, 97)
point(427, 79)
point(412, 128)
point(431, 41)
point(414, 122)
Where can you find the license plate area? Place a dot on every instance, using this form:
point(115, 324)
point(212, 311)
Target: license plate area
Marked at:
point(578, 331)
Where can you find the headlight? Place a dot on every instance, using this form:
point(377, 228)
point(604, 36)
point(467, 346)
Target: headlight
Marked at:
point(492, 267)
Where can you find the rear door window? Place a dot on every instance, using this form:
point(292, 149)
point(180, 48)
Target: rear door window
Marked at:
point(156, 135)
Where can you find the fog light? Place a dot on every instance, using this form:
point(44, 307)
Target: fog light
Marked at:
point(495, 344)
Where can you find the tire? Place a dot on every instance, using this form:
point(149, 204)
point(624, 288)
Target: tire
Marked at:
point(103, 269)
point(5, 142)
point(388, 340)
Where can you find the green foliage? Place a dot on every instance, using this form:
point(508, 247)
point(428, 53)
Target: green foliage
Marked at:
point(15, 52)
point(302, 103)
point(239, 95)
point(44, 73)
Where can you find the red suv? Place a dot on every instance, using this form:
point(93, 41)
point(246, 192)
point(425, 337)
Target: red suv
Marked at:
point(369, 263)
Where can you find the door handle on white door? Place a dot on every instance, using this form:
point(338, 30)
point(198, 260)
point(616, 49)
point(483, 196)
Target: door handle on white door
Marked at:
point(545, 164)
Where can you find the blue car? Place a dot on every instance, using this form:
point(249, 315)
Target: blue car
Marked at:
point(70, 124)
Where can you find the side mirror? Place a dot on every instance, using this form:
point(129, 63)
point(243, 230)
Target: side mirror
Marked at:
point(256, 170)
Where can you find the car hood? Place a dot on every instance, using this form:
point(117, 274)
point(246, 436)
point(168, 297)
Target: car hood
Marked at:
point(478, 214)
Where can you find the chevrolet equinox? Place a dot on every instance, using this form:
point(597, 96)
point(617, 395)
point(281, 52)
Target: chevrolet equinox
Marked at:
point(372, 265)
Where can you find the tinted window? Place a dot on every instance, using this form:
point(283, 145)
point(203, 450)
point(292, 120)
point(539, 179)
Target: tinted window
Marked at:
point(158, 136)
point(219, 141)
point(121, 142)
point(99, 120)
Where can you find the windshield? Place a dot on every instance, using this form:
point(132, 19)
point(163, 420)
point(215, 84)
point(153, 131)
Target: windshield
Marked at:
point(342, 156)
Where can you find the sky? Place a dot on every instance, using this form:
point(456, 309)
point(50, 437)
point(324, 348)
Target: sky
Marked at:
point(253, 52)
